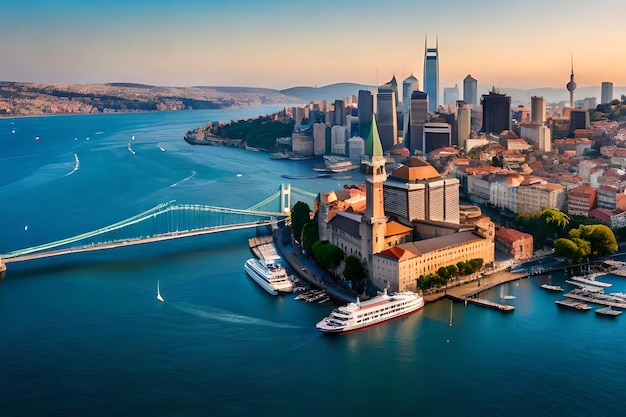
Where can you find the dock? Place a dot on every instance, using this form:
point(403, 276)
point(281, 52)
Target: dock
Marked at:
point(483, 302)
point(592, 281)
point(584, 287)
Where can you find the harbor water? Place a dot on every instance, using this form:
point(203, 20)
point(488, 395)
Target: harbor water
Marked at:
point(83, 334)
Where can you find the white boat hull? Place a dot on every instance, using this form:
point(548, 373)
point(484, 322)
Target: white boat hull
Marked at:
point(353, 317)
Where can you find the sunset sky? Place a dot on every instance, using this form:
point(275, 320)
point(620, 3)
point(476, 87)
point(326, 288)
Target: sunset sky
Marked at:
point(287, 43)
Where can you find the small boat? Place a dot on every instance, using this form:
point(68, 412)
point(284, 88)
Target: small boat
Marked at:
point(608, 311)
point(577, 305)
point(159, 296)
point(557, 288)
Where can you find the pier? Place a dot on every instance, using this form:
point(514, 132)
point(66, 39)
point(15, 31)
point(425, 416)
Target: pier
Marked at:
point(483, 302)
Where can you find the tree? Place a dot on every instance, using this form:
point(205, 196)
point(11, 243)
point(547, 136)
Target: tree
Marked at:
point(556, 220)
point(300, 214)
point(453, 271)
point(310, 235)
point(600, 237)
point(443, 273)
point(327, 255)
point(353, 269)
point(575, 249)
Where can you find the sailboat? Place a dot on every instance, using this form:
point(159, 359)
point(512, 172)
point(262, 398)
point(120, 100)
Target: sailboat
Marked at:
point(504, 296)
point(451, 305)
point(159, 297)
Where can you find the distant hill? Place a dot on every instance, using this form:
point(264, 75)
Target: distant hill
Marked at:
point(329, 92)
point(130, 85)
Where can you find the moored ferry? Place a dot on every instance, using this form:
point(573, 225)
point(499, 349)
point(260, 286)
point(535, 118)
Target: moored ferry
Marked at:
point(358, 315)
point(272, 277)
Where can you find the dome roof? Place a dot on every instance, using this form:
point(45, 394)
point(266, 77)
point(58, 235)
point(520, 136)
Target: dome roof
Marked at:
point(415, 169)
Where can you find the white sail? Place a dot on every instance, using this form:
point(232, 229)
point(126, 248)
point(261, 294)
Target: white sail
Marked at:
point(159, 297)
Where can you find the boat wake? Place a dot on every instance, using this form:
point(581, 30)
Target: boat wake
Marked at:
point(130, 149)
point(75, 166)
point(193, 174)
point(213, 313)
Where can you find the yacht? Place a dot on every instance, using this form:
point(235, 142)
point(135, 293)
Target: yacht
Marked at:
point(272, 277)
point(358, 315)
point(557, 288)
point(338, 163)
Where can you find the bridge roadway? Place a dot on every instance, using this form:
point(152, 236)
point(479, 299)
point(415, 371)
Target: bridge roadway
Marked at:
point(138, 241)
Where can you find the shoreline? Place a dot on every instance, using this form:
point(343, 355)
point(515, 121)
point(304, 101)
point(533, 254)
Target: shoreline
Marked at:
point(475, 286)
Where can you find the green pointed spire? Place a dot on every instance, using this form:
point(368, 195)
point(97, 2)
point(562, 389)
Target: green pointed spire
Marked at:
point(373, 145)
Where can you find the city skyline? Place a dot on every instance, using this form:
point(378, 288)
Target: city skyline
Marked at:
point(280, 44)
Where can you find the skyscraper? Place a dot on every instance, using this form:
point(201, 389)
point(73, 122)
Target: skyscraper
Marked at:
point(431, 75)
point(537, 110)
point(470, 91)
point(450, 95)
point(386, 118)
point(496, 112)
point(409, 85)
point(464, 122)
point(365, 112)
point(418, 117)
point(607, 92)
point(340, 113)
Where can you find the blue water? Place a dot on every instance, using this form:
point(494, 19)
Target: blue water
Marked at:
point(84, 335)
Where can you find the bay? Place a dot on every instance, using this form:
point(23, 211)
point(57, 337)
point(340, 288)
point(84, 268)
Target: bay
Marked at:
point(84, 334)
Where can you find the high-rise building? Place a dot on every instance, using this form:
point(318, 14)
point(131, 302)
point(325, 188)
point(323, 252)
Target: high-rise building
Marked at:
point(418, 117)
point(496, 112)
point(338, 138)
point(319, 138)
point(607, 92)
point(464, 122)
point(431, 75)
point(365, 112)
point(450, 95)
point(436, 135)
point(470, 91)
point(409, 85)
point(537, 110)
point(386, 116)
point(340, 113)
point(578, 119)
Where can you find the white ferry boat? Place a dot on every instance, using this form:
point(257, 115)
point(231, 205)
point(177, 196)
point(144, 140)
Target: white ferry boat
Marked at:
point(338, 163)
point(356, 316)
point(272, 277)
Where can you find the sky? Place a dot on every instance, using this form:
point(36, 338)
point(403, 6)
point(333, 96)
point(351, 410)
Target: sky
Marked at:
point(288, 43)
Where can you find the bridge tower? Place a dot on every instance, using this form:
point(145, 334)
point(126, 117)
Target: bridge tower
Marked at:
point(285, 198)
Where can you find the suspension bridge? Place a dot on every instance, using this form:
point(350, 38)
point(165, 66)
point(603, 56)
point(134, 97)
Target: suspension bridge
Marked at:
point(168, 221)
